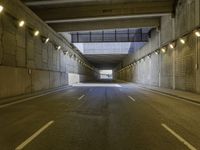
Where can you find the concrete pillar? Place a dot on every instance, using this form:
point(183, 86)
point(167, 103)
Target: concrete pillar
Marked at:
point(198, 66)
point(197, 23)
point(197, 12)
point(174, 57)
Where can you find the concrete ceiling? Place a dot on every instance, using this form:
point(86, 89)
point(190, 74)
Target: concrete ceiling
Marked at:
point(105, 61)
point(78, 15)
point(84, 15)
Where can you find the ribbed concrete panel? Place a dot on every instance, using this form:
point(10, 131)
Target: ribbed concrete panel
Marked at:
point(26, 63)
point(166, 29)
point(185, 65)
point(198, 70)
point(178, 68)
point(167, 69)
point(155, 70)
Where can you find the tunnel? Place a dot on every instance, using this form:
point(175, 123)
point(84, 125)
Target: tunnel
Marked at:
point(99, 74)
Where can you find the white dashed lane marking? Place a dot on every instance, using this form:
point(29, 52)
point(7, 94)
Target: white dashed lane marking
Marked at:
point(132, 98)
point(191, 147)
point(31, 138)
point(81, 97)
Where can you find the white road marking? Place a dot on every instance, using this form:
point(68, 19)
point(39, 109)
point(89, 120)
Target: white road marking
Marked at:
point(179, 137)
point(81, 97)
point(31, 138)
point(132, 98)
point(29, 98)
point(167, 95)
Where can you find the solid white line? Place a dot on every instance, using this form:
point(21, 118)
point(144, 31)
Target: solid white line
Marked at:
point(167, 95)
point(30, 98)
point(26, 142)
point(20, 101)
point(81, 97)
point(179, 137)
point(132, 98)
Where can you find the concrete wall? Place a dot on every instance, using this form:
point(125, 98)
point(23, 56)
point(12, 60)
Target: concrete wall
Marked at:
point(176, 69)
point(26, 63)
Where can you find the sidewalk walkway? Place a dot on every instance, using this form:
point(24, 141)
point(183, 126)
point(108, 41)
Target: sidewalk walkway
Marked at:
point(194, 97)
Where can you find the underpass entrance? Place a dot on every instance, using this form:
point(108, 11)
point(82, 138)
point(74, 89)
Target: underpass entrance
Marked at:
point(106, 74)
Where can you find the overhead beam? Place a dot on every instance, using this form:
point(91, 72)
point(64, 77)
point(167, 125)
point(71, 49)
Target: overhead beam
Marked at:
point(51, 2)
point(104, 10)
point(106, 24)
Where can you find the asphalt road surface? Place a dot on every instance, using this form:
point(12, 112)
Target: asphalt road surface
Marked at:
point(101, 116)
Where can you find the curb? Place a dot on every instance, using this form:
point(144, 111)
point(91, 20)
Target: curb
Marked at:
point(26, 97)
point(168, 94)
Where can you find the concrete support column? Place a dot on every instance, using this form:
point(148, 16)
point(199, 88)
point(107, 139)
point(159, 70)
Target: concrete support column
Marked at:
point(159, 57)
point(173, 57)
point(197, 23)
point(197, 12)
point(197, 67)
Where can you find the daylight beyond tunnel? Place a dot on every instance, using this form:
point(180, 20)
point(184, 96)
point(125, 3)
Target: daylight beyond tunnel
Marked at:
point(99, 74)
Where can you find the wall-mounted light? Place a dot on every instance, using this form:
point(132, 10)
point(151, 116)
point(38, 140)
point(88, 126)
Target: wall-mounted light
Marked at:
point(21, 23)
point(171, 45)
point(156, 52)
point(36, 33)
point(1, 8)
point(197, 33)
point(163, 50)
point(46, 40)
point(64, 52)
point(74, 56)
point(148, 56)
point(58, 47)
point(182, 40)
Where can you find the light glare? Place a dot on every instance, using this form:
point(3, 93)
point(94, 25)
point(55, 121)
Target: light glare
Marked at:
point(36, 33)
point(163, 50)
point(58, 47)
point(21, 23)
point(47, 40)
point(171, 46)
point(182, 40)
point(1, 8)
point(197, 33)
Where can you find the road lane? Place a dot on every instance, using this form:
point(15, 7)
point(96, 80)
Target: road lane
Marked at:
point(32, 137)
point(104, 119)
point(181, 115)
point(17, 122)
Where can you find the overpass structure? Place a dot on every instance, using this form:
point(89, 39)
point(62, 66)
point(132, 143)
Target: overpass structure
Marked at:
point(53, 54)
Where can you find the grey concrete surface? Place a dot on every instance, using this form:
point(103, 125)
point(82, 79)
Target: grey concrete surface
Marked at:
point(176, 69)
point(193, 97)
point(27, 64)
point(104, 119)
